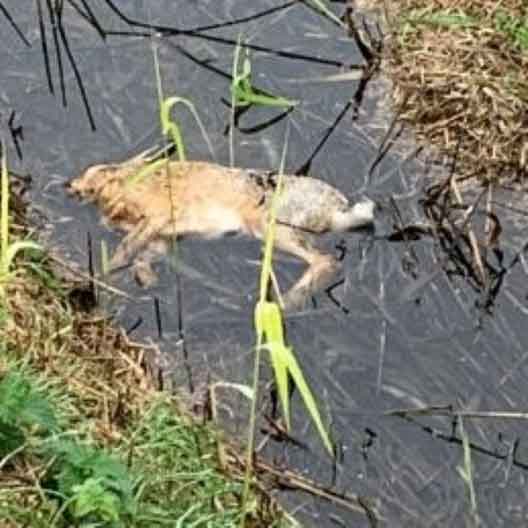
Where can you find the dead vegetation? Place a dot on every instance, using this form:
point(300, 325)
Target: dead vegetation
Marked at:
point(106, 372)
point(104, 390)
point(459, 72)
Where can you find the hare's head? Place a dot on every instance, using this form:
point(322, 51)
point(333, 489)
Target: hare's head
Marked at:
point(94, 180)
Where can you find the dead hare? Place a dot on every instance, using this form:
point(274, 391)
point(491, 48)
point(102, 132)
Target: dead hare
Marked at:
point(209, 200)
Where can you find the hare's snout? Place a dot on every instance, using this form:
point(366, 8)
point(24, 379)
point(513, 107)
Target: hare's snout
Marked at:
point(71, 187)
point(91, 181)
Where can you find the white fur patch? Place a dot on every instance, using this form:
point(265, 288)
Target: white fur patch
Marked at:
point(360, 214)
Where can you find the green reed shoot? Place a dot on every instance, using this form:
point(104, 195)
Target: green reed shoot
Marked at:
point(516, 29)
point(169, 128)
point(242, 90)
point(8, 250)
point(171, 131)
point(270, 336)
point(25, 409)
point(269, 327)
point(444, 18)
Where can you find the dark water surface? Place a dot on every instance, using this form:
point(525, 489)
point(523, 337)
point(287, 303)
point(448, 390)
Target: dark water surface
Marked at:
point(410, 335)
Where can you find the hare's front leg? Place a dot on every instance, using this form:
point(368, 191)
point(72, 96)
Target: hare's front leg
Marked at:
point(135, 241)
point(143, 273)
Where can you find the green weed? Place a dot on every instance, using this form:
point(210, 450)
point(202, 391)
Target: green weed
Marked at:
point(33, 417)
point(183, 485)
point(444, 19)
point(516, 29)
point(170, 130)
point(8, 250)
point(245, 94)
point(35, 261)
point(94, 486)
point(163, 472)
point(270, 335)
point(25, 408)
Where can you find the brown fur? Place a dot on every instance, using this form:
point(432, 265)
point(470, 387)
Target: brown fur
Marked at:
point(209, 200)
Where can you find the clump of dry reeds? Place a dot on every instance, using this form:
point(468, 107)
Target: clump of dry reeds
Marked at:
point(105, 371)
point(459, 70)
point(101, 386)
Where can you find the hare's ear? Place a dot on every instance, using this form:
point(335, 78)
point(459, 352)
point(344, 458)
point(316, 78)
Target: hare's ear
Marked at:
point(143, 157)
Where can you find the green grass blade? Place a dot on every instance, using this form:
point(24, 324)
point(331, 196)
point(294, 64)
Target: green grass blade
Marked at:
point(234, 73)
point(268, 322)
point(15, 248)
point(169, 128)
point(516, 29)
point(8, 251)
point(267, 258)
point(244, 94)
point(309, 401)
point(446, 19)
point(269, 325)
point(261, 326)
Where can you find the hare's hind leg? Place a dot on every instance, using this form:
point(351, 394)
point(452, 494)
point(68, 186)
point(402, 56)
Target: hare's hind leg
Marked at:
point(321, 267)
point(135, 242)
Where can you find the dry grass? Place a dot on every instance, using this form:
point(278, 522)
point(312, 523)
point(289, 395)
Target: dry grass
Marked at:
point(459, 70)
point(108, 392)
point(96, 362)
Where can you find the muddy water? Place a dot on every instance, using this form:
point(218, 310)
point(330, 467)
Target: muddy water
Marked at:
point(403, 333)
